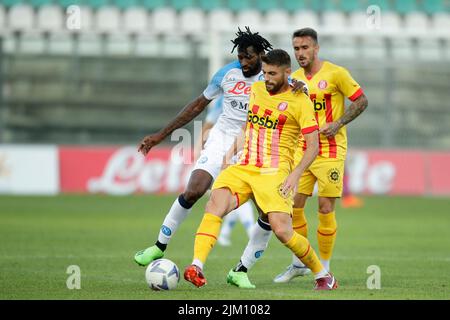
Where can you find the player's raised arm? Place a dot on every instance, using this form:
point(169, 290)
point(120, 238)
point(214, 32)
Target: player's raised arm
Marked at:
point(189, 112)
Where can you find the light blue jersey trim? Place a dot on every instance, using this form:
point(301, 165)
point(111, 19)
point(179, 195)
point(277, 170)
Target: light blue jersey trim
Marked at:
point(214, 89)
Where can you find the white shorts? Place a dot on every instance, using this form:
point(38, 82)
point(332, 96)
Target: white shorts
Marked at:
point(217, 145)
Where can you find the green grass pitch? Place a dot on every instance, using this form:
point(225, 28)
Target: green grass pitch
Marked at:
point(407, 237)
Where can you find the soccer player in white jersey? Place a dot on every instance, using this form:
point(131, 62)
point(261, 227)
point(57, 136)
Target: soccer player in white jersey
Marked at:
point(233, 81)
point(245, 212)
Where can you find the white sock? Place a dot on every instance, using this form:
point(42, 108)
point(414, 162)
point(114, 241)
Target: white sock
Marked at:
point(173, 219)
point(245, 213)
point(296, 262)
point(228, 224)
point(198, 263)
point(258, 242)
point(326, 264)
point(322, 273)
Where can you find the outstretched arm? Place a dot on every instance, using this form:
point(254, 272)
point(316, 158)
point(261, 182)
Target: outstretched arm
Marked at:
point(353, 111)
point(189, 112)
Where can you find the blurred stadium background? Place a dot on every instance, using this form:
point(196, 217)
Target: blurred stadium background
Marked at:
point(108, 72)
point(82, 81)
point(134, 63)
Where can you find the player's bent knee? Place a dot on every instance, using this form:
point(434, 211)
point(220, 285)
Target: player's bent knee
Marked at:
point(192, 195)
point(212, 207)
point(300, 200)
point(220, 202)
point(282, 231)
point(325, 209)
point(281, 225)
point(326, 205)
point(283, 235)
point(199, 183)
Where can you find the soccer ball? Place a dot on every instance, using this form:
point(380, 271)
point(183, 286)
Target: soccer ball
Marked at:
point(162, 274)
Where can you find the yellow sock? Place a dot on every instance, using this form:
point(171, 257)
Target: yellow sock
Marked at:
point(206, 236)
point(303, 250)
point(326, 234)
point(299, 222)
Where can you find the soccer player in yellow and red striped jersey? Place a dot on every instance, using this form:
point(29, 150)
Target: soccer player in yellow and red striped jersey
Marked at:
point(266, 172)
point(329, 85)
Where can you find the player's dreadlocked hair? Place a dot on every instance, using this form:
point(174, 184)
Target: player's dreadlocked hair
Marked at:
point(247, 39)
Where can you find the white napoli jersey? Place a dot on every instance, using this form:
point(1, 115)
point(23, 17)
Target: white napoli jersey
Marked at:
point(231, 83)
point(214, 110)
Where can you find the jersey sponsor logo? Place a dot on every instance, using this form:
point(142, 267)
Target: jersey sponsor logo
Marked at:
point(166, 230)
point(239, 105)
point(257, 135)
point(320, 105)
point(265, 122)
point(282, 106)
point(322, 84)
point(240, 88)
point(334, 175)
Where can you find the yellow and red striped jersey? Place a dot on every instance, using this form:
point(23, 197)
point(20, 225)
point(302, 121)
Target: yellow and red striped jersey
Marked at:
point(273, 126)
point(327, 90)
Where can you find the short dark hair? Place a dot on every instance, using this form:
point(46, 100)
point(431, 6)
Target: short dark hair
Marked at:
point(306, 32)
point(277, 57)
point(245, 39)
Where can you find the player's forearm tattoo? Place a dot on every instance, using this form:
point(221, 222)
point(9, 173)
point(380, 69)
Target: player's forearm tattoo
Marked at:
point(354, 110)
point(188, 113)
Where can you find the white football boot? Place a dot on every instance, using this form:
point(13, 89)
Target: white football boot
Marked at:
point(290, 273)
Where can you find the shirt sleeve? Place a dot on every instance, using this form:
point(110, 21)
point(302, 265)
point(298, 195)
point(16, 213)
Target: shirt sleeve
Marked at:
point(215, 110)
point(214, 88)
point(307, 119)
point(347, 85)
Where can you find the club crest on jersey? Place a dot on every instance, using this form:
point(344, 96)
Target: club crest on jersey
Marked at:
point(282, 106)
point(322, 84)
